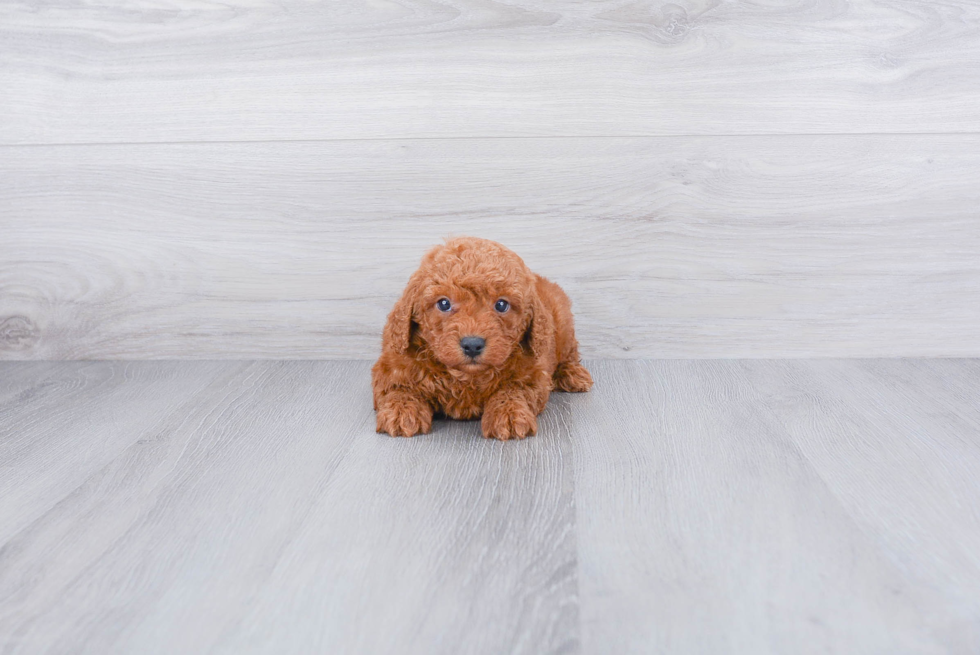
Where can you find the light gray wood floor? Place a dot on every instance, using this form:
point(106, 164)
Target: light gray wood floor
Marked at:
point(680, 507)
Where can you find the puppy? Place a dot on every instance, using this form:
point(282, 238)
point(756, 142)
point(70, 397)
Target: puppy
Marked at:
point(475, 333)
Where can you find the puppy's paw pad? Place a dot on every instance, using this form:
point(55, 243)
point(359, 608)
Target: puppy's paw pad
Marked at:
point(572, 377)
point(404, 418)
point(510, 420)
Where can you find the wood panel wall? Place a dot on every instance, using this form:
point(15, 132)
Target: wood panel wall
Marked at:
point(706, 179)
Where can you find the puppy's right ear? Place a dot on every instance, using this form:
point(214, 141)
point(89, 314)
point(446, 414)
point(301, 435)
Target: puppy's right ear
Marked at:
point(398, 329)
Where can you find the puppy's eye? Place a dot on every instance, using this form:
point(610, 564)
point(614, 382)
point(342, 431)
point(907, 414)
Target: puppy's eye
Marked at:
point(444, 305)
point(502, 306)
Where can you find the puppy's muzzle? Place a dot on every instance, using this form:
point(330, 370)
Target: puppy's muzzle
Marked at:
point(472, 346)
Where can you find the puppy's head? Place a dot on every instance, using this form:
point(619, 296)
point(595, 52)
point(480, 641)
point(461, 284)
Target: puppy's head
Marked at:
point(471, 304)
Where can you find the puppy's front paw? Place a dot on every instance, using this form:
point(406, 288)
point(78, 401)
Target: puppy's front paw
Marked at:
point(572, 376)
point(508, 419)
point(403, 416)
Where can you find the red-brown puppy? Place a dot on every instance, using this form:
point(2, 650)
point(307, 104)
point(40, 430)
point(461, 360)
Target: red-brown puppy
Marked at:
point(475, 333)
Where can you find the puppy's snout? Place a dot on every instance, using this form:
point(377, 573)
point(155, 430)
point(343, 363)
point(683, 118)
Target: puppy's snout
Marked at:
point(472, 346)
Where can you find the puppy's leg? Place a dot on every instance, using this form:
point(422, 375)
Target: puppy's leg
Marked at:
point(572, 376)
point(512, 412)
point(569, 374)
point(403, 414)
point(402, 408)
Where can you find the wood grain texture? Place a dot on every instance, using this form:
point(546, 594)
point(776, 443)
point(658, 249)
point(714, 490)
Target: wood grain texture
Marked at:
point(759, 506)
point(151, 71)
point(669, 247)
point(53, 425)
point(679, 507)
point(265, 515)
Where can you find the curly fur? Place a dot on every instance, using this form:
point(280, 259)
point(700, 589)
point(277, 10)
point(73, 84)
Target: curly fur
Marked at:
point(530, 349)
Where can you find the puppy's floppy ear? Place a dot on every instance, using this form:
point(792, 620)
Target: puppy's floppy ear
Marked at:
point(398, 329)
point(540, 333)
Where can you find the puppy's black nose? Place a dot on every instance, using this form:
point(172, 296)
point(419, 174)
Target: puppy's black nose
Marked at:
point(472, 346)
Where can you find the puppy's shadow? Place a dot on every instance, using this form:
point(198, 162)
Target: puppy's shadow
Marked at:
point(443, 426)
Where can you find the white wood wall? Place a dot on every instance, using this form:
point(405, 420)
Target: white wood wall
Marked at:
point(706, 179)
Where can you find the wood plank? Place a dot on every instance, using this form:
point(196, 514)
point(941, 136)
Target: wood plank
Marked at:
point(772, 507)
point(901, 455)
point(267, 516)
point(54, 418)
point(681, 506)
point(669, 247)
point(446, 543)
point(78, 73)
point(187, 509)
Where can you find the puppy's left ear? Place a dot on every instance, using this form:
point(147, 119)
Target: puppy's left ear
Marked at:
point(540, 333)
point(398, 329)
